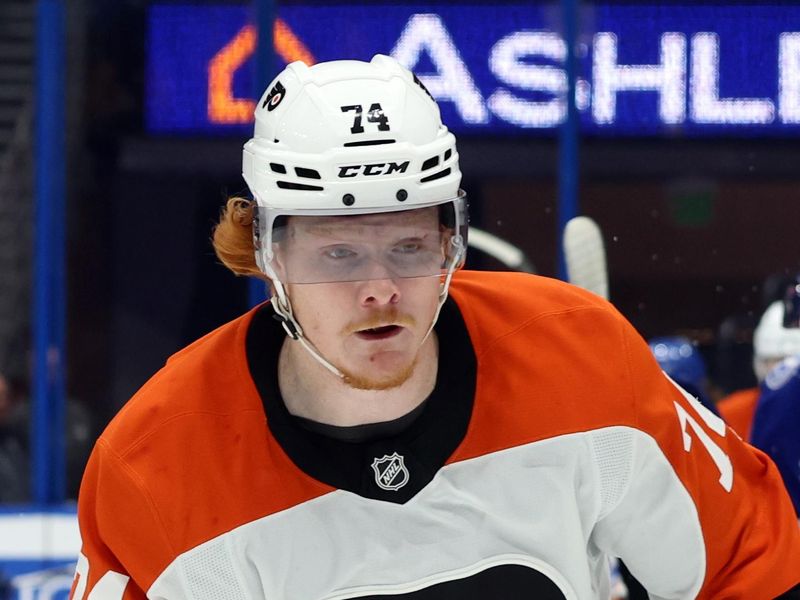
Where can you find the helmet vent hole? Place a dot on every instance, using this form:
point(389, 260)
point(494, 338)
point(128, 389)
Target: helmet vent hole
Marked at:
point(277, 168)
point(368, 143)
point(430, 163)
point(307, 173)
point(448, 153)
point(348, 200)
point(435, 176)
point(288, 185)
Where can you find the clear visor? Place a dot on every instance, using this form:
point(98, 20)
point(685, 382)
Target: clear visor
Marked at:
point(334, 246)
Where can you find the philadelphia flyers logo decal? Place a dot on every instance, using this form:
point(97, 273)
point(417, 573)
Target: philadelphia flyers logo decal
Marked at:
point(275, 96)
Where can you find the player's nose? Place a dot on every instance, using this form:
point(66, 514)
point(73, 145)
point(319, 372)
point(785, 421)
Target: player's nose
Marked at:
point(379, 292)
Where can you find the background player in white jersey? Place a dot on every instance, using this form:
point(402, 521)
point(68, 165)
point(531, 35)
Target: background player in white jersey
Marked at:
point(390, 426)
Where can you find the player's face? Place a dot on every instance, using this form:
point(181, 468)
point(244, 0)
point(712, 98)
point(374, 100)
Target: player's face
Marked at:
point(370, 328)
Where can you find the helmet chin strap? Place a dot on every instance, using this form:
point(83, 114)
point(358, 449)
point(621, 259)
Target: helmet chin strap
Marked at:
point(283, 312)
point(443, 291)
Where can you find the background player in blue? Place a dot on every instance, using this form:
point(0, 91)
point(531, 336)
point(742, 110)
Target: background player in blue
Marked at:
point(776, 425)
point(683, 362)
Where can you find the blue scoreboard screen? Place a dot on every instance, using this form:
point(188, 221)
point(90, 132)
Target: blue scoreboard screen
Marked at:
point(683, 70)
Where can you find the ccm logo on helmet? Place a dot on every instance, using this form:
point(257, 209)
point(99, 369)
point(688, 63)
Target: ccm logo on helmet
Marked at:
point(374, 169)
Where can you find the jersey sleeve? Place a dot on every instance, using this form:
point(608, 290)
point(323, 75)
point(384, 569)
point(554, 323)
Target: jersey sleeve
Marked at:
point(122, 540)
point(701, 514)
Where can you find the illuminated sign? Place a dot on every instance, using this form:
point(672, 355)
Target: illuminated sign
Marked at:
point(643, 70)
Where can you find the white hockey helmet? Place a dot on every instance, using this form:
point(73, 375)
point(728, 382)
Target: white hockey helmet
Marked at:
point(772, 341)
point(350, 138)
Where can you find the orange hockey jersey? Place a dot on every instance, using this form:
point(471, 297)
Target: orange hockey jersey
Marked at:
point(551, 442)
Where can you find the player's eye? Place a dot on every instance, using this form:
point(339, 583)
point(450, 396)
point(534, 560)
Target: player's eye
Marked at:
point(407, 247)
point(338, 252)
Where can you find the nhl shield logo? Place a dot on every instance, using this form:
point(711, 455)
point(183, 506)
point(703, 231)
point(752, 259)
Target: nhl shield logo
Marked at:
point(390, 472)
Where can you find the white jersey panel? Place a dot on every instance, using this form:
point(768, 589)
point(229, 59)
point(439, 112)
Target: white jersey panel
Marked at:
point(663, 510)
point(540, 506)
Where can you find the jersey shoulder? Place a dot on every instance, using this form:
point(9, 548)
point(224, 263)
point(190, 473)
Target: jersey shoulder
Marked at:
point(555, 359)
point(196, 435)
point(497, 304)
point(198, 381)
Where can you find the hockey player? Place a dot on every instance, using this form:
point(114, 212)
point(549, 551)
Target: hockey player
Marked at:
point(776, 425)
point(390, 427)
point(773, 340)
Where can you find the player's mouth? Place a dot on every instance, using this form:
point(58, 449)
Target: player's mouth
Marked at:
point(379, 333)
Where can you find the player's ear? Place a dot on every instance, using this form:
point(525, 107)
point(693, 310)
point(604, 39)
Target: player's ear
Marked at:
point(446, 237)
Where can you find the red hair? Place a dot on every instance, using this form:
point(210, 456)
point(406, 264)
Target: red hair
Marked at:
point(233, 238)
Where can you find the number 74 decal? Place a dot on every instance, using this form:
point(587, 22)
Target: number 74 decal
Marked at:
point(374, 115)
point(689, 423)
